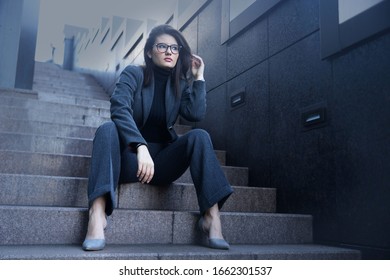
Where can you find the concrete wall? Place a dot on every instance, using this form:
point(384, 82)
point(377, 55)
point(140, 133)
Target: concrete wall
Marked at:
point(337, 171)
point(18, 32)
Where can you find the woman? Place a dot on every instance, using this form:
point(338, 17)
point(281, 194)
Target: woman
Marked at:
point(140, 144)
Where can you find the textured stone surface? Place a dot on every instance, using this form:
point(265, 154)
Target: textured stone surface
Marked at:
point(16, 189)
point(178, 252)
point(182, 197)
point(46, 128)
point(290, 22)
point(18, 103)
point(14, 162)
point(60, 225)
point(209, 45)
point(247, 228)
point(237, 176)
point(54, 117)
point(250, 49)
point(45, 144)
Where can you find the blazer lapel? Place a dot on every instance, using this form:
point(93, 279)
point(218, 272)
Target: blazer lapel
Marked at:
point(147, 100)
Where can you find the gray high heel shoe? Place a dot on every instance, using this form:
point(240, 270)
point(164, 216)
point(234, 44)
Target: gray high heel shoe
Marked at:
point(214, 243)
point(94, 244)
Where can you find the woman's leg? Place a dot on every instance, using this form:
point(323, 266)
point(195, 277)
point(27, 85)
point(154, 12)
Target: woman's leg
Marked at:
point(103, 178)
point(212, 222)
point(97, 219)
point(195, 150)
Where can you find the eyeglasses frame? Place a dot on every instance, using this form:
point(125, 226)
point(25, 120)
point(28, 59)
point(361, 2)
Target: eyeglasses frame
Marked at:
point(168, 47)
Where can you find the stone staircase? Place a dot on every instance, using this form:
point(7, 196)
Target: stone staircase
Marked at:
point(45, 145)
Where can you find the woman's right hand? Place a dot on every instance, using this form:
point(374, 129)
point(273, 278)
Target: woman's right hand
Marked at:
point(145, 165)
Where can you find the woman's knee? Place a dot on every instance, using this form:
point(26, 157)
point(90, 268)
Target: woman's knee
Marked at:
point(199, 135)
point(107, 132)
point(106, 129)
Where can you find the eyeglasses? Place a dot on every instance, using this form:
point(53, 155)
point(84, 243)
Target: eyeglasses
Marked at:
point(163, 48)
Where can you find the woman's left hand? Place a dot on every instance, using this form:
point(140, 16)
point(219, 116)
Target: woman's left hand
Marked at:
point(197, 67)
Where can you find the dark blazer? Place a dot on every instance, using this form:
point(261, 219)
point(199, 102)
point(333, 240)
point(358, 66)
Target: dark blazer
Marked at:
point(131, 103)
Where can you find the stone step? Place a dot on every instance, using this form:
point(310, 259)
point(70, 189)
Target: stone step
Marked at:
point(26, 225)
point(71, 84)
point(11, 125)
point(77, 93)
point(178, 252)
point(46, 128)
point(16, 162)
point(45, 144)
point(34, 190)
point(59, 71)
point(21, 104)
point(59, 74)
point(59, 117)
point(16, 92)
point(29, 142)
point(74, 100)
point(182, 197)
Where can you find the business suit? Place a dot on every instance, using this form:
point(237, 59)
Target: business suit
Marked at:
point(115, 161)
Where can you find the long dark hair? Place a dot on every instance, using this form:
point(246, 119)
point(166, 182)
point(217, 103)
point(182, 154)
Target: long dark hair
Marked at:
point(183, 63)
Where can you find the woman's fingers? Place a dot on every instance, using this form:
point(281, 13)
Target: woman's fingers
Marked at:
point(145, 172)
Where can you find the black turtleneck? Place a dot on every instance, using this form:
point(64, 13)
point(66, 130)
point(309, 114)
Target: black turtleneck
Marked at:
point(155, 129)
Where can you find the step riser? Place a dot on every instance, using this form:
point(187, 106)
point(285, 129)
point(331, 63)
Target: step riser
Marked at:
point(44, 144)
point(63, 77)
point(235, 175)
point(182, 197)
point(78, 166)
point(27, 225)
point(72, 192)
point(55, 145)
point(44, 164)
point(59, 118)
point(21, 104)
point(68, 85)
point(45, 128)
point(74, 100)
point(71, 92)
point(43, 191)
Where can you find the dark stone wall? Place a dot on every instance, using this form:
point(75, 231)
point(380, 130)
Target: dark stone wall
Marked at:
point(338, 172)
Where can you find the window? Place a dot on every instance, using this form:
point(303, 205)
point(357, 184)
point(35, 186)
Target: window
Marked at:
point(347, 22)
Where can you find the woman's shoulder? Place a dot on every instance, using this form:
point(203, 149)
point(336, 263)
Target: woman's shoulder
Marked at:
point(136, 70)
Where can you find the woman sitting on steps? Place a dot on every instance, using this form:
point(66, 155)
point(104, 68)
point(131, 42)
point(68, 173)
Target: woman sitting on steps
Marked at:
point(140, 144)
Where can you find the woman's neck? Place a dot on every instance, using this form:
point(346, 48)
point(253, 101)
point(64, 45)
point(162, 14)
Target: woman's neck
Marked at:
point(161, 73)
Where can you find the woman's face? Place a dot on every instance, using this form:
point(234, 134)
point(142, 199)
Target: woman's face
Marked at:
point(165, 51)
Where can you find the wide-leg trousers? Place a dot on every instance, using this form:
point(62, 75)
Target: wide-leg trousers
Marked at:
point(114, 163)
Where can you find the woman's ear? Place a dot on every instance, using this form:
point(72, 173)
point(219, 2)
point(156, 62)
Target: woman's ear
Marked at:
point(149, 54)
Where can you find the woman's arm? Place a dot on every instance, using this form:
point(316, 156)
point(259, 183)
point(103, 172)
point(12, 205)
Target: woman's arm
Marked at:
point(122, 102)
point(193, 101)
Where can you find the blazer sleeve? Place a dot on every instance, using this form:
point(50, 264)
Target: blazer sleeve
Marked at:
point(193, 102)
point(122, 105)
